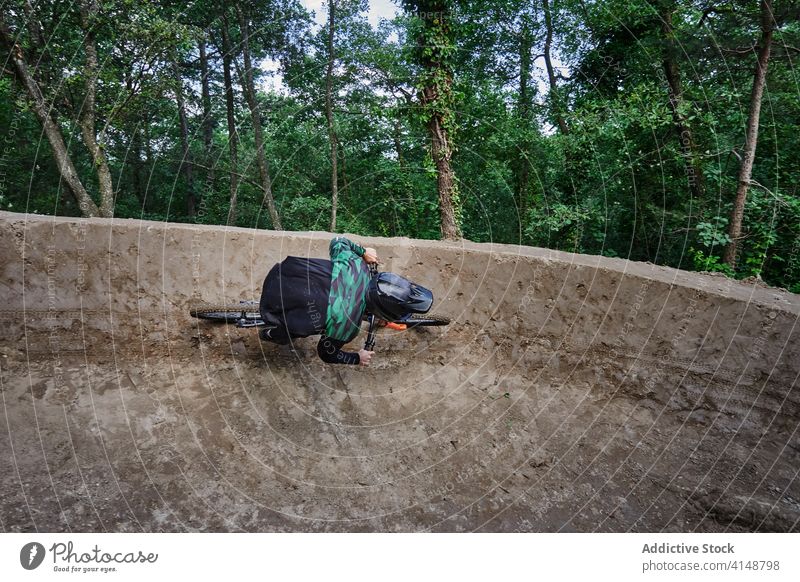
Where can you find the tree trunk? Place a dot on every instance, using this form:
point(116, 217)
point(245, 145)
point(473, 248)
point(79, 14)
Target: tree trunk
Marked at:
point(436, 96)
point(751, 137)
point(345, 181)
point(186, 161)
point(232, 135)
point(89, 11)
point(523, 112)
point(136, 168)
point(332, 137)
point(148, 144)
point(135, 150)
point(555, 100)
point(249, 90)
point(208, 120)
point(398, 144)
point(445, 179)
point(694, 171)
point(37, 40)
point(65, 166)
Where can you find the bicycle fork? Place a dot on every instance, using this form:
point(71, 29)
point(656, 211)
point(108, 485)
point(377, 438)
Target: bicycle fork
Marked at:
point(369, 345)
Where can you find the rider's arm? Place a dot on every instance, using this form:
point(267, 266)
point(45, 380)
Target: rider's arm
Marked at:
point(330, 351)
point(340, 244)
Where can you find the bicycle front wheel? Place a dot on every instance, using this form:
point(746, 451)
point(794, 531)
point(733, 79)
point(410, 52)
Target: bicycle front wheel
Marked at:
point(419, 319)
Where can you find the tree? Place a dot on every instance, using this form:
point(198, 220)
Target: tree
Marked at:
point(208, 121)
point(186, 160)
point(555, 99)
point(66, 167)
point(89, 11)
point(496, 49)
point(751, 133)
point(230, 109)
point(329, 113)
point(436, 47)
point(249, 90)
point(672, 72)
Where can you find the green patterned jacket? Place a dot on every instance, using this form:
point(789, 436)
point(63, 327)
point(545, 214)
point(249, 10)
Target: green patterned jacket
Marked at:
point(347, 298)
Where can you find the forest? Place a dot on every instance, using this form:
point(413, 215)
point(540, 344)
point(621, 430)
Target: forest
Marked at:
point(653, 130)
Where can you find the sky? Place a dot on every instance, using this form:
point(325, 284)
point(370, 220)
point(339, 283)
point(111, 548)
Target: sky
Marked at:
point(377, 9)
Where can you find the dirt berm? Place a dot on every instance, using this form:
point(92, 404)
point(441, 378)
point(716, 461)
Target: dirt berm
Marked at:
point(570, 393)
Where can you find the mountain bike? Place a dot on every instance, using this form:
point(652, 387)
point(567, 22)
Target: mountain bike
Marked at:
point(246, 314)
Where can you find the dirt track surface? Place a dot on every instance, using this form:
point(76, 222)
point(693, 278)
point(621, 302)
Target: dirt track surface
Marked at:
point(571, 393)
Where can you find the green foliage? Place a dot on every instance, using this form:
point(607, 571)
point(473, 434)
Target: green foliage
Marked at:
point(568, 226)
point(616, 184)
point(712, 234)
point(708, 262)
point(307, 213)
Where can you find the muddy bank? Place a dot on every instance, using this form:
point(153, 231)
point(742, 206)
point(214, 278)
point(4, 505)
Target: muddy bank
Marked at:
point(571, 393)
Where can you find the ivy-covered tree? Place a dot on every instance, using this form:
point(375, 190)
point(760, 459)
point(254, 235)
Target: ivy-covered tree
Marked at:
point(435, 51)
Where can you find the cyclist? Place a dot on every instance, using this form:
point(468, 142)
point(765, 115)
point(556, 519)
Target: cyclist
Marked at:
point(303, 297)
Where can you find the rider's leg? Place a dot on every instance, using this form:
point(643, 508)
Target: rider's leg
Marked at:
point(276, 335)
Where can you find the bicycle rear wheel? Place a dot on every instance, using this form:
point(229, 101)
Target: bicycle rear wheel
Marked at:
point(226, 313)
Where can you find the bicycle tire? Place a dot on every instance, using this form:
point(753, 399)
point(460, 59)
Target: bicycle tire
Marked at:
point(422, 320)
point(226, 313)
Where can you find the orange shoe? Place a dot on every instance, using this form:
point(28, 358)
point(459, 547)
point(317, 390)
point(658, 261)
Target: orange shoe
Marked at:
point(397, 326)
